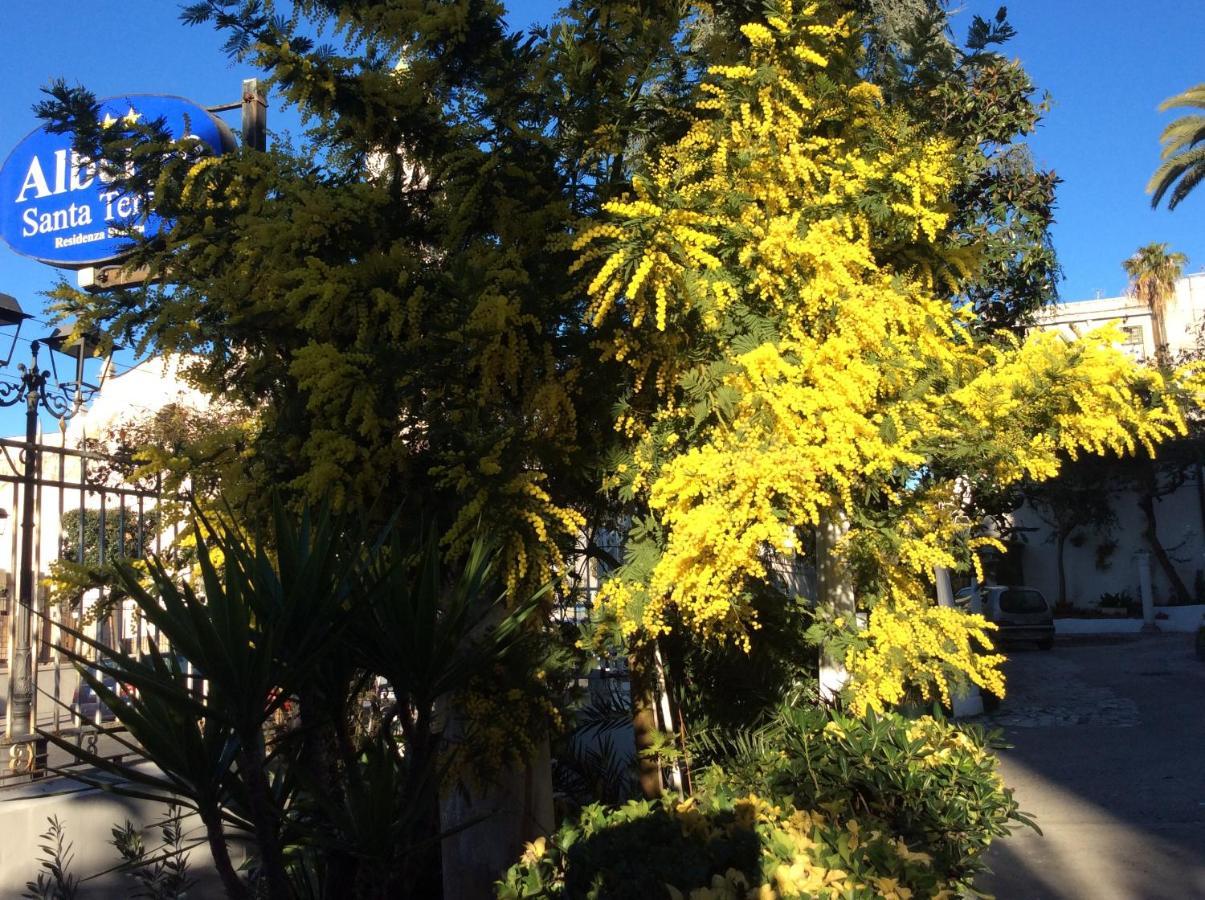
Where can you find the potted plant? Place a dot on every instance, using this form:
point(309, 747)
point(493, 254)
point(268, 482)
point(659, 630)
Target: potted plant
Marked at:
point(1115, 603)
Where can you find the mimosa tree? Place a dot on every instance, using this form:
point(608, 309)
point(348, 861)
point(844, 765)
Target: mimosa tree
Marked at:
point(789, 367)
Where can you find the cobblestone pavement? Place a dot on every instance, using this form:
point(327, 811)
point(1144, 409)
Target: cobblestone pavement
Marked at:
point(1048, 689)
point(1109, 756)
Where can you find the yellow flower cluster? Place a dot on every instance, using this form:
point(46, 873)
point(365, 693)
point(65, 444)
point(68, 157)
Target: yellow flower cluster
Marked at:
point(502, 729)
point(533, 524)
point(919, 645)
point(798, 376)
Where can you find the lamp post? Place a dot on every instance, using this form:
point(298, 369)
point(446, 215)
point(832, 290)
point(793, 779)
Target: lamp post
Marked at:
point(38, 389)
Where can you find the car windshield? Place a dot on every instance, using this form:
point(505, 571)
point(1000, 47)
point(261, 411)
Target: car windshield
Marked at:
point(1022, 601)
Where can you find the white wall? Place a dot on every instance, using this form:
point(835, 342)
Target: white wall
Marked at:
point(1179, 515)
point(1180, 532)
point(87, 817)
point(1183, 317)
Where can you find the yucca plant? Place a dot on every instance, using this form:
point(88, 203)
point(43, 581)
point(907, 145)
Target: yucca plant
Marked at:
point(307, 616)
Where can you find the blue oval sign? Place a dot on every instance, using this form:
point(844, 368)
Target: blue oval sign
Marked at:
point(58, 209)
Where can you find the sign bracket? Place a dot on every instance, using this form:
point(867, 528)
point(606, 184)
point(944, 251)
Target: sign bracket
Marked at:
point(254, 106)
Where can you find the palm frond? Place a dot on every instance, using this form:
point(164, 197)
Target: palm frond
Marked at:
point(1194, 96)
point(1177, 169)
point(1182, 134)
point(1183, 160)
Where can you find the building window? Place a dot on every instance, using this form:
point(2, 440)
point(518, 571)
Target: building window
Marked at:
point(1134, 341)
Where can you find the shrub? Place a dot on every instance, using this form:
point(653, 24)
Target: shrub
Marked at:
point(308, 615)
point(814, 804)
point(927, 781)
point(718, 848)
point(1117, 598)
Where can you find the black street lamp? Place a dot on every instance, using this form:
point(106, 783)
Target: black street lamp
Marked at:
point(43, 389)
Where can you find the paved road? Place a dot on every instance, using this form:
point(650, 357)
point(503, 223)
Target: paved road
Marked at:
point(49, 683)
point(1109, 757)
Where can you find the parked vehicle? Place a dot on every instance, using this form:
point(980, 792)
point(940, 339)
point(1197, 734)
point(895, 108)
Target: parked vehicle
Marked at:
point(86, 704)
point(1020, 613)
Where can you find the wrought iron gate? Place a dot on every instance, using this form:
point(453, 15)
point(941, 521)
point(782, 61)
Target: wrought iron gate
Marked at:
point(85, 515)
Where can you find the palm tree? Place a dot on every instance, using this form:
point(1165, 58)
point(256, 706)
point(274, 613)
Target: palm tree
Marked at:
point(1153, 271)
point(1183, 150)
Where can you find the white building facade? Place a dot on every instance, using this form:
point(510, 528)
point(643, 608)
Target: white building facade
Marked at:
point(1106, 561)
point(1183, 318)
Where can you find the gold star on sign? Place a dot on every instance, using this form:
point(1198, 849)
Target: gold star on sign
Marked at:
point(108, 121)
point(131, 118)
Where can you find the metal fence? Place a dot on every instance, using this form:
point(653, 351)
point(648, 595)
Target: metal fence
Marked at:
point(85, 515)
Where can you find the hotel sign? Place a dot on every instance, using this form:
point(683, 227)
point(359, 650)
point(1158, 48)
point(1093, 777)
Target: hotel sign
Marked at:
point(57, 208)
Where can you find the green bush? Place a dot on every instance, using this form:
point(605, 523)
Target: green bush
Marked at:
point(812, 805)
point(710, 848)
point(1116, 598)
point(928, 781)
point(310, 614)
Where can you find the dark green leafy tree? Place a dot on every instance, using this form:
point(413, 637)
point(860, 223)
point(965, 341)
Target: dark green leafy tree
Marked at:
point(987, 104)
point(128, 533)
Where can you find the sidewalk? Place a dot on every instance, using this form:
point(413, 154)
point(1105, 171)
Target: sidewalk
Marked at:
point(1108, 757)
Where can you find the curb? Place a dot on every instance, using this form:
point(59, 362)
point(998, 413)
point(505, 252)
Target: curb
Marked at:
point(1125, 637)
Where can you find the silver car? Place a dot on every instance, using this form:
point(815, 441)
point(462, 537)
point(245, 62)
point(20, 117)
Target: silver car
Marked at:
point(1020, 613)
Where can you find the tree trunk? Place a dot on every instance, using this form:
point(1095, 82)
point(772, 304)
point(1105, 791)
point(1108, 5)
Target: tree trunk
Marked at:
point(266, 820)
point(1159, 333)
point(642, 674)
point(421, 806)
point(322, 761)
point(835, 593)
point(215, 834)
point(1146, 502)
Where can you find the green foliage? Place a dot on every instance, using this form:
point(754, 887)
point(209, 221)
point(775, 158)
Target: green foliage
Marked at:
point(307, 615)
point(588, 765)
point(391, 304)
point(387, 300)
point(929, 782)
point(722, 685)
point(815, 804)
point(162, 873)
point(985, 102)
point(181, 450)
point(55, 881)
point(1153, 270)
point(611, 853)
point(127, 534)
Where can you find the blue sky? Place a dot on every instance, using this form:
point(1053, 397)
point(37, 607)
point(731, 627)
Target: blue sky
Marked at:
point(1107, 70)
